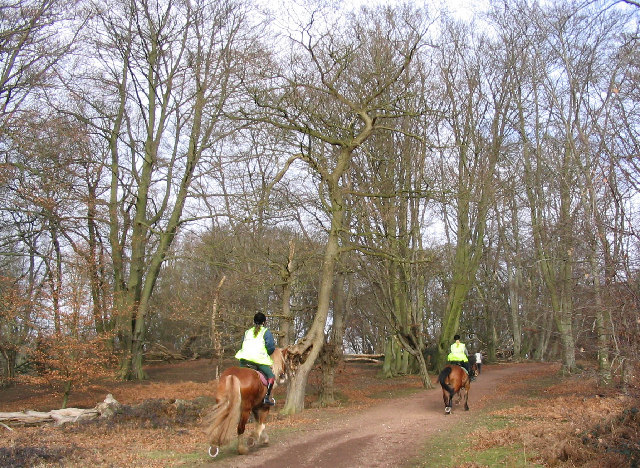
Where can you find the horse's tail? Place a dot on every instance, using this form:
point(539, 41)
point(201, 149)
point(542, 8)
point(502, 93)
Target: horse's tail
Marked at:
point(224, 418)
point(442, 379)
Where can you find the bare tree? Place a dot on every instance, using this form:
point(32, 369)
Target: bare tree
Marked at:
point(166, 72)
point(335, 94)
point(31, 47)
point(390, 193)
point(476, 109)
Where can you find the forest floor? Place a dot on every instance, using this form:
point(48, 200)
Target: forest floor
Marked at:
point(520, 415)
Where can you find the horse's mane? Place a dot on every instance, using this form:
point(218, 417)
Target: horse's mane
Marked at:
point(278, 362)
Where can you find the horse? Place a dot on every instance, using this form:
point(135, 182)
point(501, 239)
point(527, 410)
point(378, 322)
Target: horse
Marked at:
point(454, 380)
point(474, 369)
point(240, 393)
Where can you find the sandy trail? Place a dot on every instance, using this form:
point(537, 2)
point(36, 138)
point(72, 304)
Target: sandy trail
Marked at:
point(388, 434)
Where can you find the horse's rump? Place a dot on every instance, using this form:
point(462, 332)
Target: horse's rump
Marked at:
point(443, 379)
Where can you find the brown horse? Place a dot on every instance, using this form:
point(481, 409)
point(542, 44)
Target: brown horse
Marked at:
point(240, 393)
point(454, 380)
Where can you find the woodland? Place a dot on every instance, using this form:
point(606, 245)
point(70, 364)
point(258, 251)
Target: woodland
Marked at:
point(375, 179)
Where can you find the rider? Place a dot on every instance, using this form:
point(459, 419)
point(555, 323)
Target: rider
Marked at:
point(257, 347)
point(459, 355)
point(479, 361)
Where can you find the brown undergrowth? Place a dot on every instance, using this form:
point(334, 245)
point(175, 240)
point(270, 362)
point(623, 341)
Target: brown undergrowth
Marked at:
point(160, 423)
point(560, 421)
point(570, 423)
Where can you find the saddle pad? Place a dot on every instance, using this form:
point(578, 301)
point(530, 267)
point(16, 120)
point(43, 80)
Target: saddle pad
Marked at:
point(251, 365)
point(263, 379)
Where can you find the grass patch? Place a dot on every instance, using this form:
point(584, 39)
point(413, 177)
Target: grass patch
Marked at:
point(441, 450)
point(514, 456)
point(457, 446)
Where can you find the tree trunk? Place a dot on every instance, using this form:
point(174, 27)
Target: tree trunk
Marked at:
point(332, 353)
point(514, 310)
point(451, 320)
point(492, 345)
point(307, 351)
point(286, 275)
point(66, 393)
point(389, 358)
point(416, 353)
point(544, 336)
point(216, 336)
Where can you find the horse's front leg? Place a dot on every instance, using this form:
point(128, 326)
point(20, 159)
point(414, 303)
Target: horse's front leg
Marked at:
point(259, 435)
point(466, 397)
point(263, 437)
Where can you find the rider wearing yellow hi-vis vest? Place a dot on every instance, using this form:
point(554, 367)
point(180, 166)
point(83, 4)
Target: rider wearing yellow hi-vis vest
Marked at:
point(257, 347)
point(459, 355)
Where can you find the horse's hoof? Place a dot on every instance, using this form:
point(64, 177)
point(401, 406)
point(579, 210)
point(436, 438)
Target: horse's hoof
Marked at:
point(214, 455)
point(447, 410)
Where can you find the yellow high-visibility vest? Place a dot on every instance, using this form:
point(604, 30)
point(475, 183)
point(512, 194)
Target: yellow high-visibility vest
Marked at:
point(253, 348)
point(457, 353)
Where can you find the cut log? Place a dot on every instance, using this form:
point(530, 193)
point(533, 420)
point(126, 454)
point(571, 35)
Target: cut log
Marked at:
point(375, 358)
point(159, 353)
point(61, 416)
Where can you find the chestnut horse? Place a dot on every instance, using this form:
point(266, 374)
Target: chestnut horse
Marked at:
point(240, 393)
point(454, 380)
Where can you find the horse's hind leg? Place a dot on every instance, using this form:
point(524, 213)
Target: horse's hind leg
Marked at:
point(243, 449)
point(242, 442)
point(448, 397)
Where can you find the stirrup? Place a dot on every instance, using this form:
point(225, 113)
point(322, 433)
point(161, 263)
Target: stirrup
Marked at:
point(268, 401)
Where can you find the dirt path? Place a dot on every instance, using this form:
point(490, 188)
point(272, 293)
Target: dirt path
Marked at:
point(389, 434)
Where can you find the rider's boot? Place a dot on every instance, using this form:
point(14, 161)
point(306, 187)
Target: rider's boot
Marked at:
point(267, 398)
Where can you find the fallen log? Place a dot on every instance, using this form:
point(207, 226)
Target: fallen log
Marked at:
point(375, 358)
point(159, 353)
point(61, 416)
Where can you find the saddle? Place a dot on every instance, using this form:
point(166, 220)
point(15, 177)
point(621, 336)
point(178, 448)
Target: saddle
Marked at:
point(459, 364)
point(251, 365)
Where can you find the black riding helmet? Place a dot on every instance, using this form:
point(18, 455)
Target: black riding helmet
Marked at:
point(259, 318)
